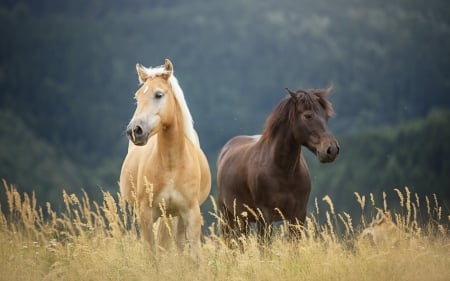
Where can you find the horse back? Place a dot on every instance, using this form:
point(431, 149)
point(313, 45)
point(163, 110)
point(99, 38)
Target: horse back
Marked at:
point(237, 144)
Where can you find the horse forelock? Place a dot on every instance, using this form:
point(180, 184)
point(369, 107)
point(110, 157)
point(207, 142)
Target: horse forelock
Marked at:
point(286, 111)
point(152, 72)
point(314, 99)
point(188, 122)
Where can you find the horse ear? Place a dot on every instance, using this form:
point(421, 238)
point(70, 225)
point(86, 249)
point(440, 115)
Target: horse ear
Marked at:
point(328, 90)
point(168, 66)
point(142, 74)
point(292, 93)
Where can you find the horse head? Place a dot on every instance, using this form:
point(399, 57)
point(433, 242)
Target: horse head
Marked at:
point(155, 103)
point(310, 122)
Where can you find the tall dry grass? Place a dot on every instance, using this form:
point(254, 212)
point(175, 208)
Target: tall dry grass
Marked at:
point(100, 241)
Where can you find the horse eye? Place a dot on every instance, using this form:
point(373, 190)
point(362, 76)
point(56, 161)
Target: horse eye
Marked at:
point(308, 116)
point(158, 95)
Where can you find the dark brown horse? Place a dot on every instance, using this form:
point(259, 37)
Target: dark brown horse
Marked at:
point(260, 176)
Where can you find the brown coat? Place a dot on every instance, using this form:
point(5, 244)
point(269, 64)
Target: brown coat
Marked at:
point(260, 176)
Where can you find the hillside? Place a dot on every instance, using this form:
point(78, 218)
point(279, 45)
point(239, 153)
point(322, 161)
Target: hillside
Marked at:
point(413, 155)
point(67, 80)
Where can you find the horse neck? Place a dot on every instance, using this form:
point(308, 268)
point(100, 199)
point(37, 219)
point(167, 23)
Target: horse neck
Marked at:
point(283, 149)
point(172, 141)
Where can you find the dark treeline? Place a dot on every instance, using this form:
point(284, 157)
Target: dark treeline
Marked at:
point(67, 79)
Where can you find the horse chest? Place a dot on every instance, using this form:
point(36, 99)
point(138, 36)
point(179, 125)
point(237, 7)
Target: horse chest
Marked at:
point(286, 193)
point(170, 197)
point(173, 181)
point(278, 182)
point(278, 196)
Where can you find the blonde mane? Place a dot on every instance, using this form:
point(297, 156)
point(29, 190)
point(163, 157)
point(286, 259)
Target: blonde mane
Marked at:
point(179, 96)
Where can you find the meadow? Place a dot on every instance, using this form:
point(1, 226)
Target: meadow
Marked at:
point(100, 241)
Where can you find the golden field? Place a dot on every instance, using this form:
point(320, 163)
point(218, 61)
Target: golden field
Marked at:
point(100, 241)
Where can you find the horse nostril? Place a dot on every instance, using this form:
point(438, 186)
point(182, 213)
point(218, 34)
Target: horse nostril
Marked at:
point(333, 150)
point(138, 130)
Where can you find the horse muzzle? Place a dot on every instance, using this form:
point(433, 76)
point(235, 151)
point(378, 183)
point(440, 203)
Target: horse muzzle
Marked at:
point(141, 129)
point(328, 151)
point(137, 134)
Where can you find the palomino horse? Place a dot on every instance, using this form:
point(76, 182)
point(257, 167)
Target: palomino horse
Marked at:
point(265, 178)
point(165, 166)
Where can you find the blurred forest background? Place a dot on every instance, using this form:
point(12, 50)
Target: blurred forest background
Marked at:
point(67, 80)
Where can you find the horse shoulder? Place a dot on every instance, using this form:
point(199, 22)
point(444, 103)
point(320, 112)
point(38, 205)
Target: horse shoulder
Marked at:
point(189, 182)
point(129, 172)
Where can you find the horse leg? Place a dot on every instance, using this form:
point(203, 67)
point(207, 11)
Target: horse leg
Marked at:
point(180, 234)
point(295, 231)
point(264, 227)
point(146, 218)
point(193, 222)
point(296, 226)
point(228, 227)
point(165, 232)
point(264, 232)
